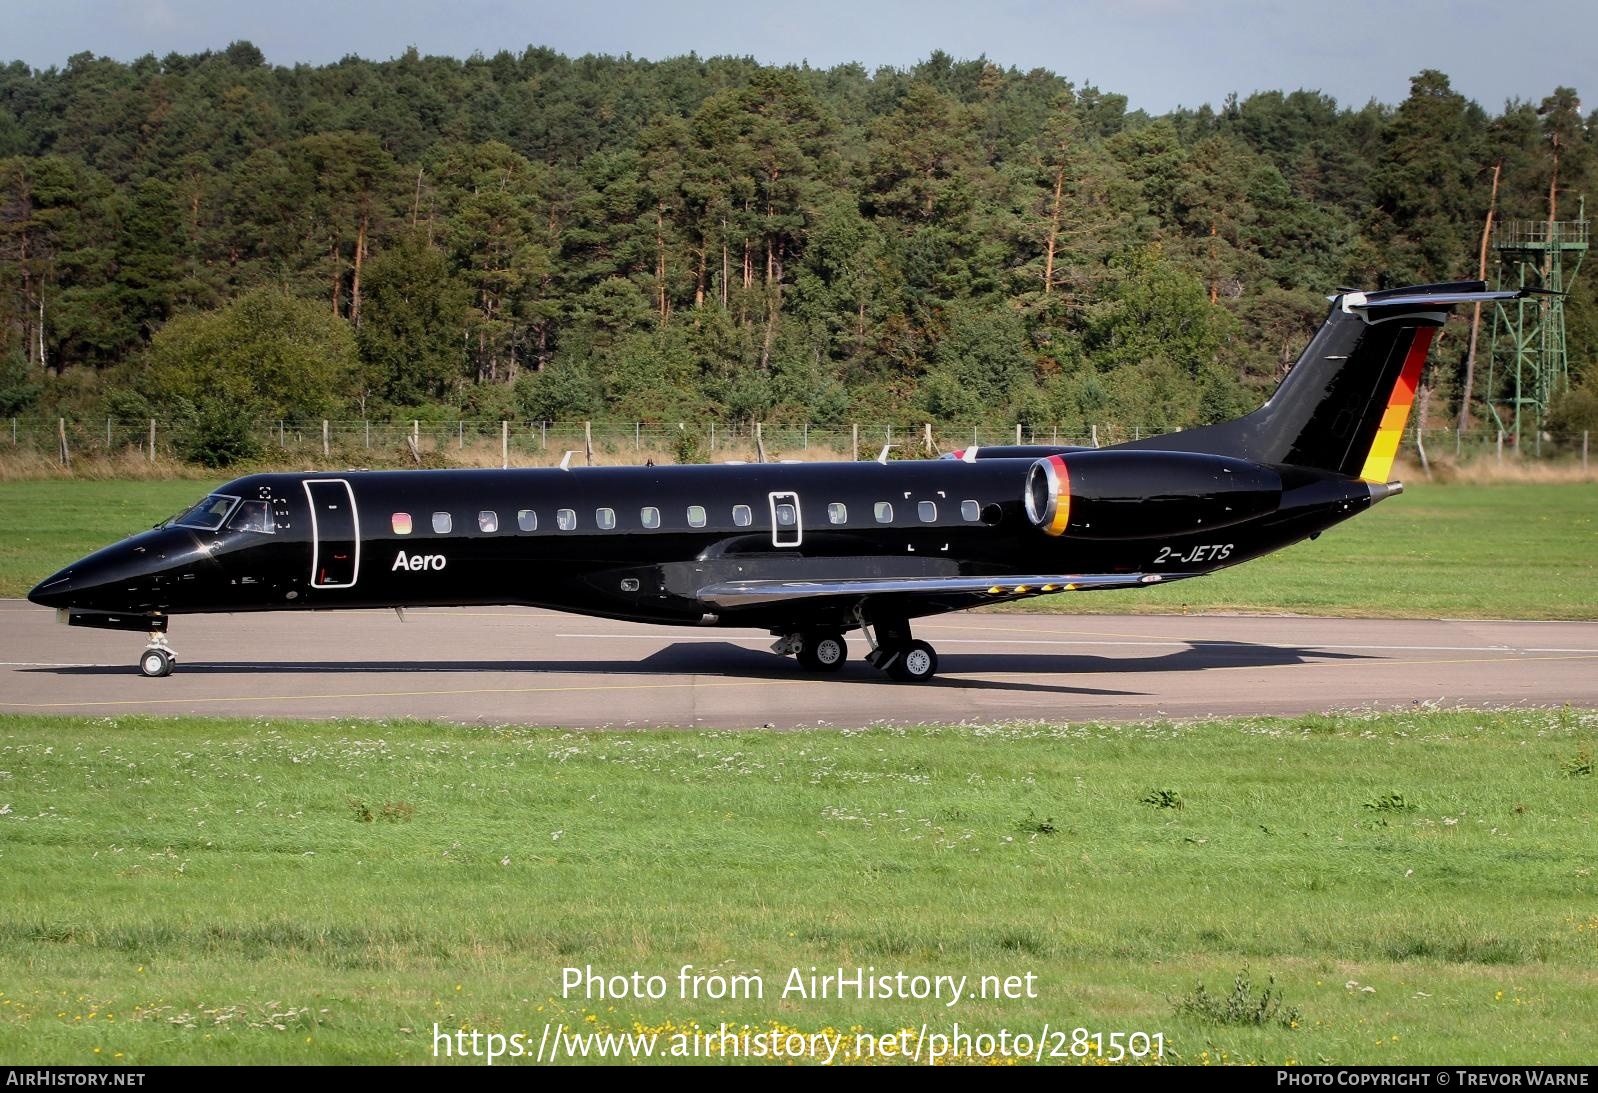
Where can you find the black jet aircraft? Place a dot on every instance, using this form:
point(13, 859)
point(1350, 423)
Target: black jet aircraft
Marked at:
point(810, 552)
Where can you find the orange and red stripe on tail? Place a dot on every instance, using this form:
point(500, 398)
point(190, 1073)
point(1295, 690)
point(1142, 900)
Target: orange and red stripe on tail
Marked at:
point(1379, 462)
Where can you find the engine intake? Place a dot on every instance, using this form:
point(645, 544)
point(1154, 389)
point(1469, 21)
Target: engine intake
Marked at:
point(1145, 494)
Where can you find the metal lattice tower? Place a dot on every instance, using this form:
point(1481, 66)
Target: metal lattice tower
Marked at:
point(1528, 366)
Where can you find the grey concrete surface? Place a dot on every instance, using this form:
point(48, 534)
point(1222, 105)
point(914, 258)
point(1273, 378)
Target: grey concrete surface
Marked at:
point(522, 666)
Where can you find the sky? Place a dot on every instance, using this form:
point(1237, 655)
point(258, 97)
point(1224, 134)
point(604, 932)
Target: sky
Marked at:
point(1159, 53)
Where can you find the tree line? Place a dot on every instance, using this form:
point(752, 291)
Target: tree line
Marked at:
point(538, 237)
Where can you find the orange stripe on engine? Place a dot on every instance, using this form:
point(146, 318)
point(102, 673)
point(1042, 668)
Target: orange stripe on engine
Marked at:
point(1062, 503)
point(1379, 461)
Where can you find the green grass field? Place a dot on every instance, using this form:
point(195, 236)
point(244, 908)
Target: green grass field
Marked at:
point(1421, 886)
point(1500, 551)
point(48, 523)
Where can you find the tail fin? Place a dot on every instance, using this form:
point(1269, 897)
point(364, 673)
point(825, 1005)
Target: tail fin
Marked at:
point(1343, 405)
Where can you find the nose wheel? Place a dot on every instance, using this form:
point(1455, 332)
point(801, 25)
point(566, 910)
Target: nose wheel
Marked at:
point(158, 659)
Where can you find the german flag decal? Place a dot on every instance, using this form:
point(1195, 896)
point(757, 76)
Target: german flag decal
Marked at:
point(1379, 463)
point(1061, 516)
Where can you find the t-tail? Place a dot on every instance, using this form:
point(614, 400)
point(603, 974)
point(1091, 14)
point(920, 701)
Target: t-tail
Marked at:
point(1343, 405)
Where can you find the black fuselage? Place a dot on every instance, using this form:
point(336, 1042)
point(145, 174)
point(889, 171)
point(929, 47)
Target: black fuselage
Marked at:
point(643, 543)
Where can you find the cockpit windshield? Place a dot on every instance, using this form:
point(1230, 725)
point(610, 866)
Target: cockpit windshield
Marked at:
point(208, 515)
point(252, 516)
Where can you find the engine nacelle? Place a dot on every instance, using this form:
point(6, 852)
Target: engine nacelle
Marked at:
point(1146, 494)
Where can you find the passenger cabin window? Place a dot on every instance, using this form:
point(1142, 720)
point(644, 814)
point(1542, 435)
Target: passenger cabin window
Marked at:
point(742, 515)
point(488, 522)
point(883, 511)
point(696, 516)
point(253, 516)
point(208, 515)
point(442, 523)
point(566, 519)
point(527, 519)
point(401, 523)
point(787, 517)
point(649, 517)
point(970, 510)
point(605, 518)
point(927, 510)
point(837, 512)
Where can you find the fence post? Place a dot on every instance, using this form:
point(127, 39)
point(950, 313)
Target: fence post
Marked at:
point(1095, 429)
point(504, 445)
point(1500, 446)
point(416, 439)
point(854, 450)
point(61, 432)
point(712, 438)
point(108, 436)
point(1584, 433)
point(152, 440)
point(760, 443)
point(638, 435)
point(366, 428)
point(1018, 432)
point(807, 436)
point(588, 442)
point(927, 437)
point(543, 435)
point(325, 449)
point(282, 440)
point(13, 432)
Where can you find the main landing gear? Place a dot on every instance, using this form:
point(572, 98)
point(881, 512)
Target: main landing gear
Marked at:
point(158, 658)
point(893, 650)
point(816, 650)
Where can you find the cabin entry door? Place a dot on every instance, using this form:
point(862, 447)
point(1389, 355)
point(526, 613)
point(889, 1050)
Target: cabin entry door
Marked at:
point(335, 535)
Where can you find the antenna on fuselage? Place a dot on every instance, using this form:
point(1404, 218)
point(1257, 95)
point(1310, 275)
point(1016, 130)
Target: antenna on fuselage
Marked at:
point(566, 461)
point(882, 456)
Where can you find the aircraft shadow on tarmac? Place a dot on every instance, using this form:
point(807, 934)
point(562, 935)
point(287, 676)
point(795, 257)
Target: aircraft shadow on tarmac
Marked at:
point(728, 660)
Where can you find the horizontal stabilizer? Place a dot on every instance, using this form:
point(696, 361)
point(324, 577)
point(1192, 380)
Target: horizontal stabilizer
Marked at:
point(731, 594)
point(1363, 301)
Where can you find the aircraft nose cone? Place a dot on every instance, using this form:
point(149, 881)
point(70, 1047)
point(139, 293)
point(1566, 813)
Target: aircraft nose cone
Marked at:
point(111, 579)
point(56, 590)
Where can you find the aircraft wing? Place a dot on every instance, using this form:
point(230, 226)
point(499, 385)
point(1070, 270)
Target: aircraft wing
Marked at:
point(730, 594)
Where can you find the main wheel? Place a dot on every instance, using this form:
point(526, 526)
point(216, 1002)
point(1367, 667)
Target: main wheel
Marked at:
point(917, 662)
point(823, 651)
point(156, 662)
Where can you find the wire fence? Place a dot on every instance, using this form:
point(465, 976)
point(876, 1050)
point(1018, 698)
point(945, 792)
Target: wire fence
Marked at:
point(521, 443)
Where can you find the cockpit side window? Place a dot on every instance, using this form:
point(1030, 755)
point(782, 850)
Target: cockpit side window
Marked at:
point(253, 516)
point(208, 515)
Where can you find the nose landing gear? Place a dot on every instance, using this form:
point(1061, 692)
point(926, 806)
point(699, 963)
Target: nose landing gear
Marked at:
point(158, 658)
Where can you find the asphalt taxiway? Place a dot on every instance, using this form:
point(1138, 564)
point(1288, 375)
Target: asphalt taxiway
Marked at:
point(524, 666)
